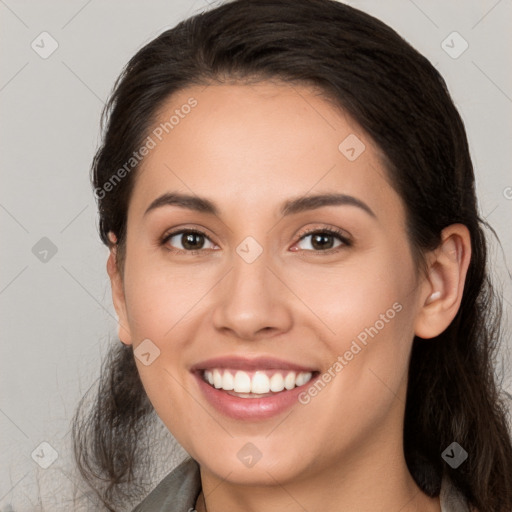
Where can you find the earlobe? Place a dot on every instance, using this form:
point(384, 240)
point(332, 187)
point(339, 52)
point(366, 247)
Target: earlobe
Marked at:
point(444, 285)
point(118, 298)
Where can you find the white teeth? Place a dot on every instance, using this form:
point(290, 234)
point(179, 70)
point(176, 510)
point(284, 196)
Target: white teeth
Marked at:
point(289, 381)
point(257, 382)
point(276, 382)
point(228, 382)
point(260, 383)
point(301, 379)
point(242, 382)
point(217, 379)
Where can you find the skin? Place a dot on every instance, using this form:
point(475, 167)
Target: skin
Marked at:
point(249, 148)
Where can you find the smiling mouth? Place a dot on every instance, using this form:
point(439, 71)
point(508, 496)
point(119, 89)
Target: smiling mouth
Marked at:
point(255, 384)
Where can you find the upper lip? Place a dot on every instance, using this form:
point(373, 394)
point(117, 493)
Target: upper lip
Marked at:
point(248, 364)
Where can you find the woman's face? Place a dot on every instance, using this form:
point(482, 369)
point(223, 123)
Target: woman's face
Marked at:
point(254, 296)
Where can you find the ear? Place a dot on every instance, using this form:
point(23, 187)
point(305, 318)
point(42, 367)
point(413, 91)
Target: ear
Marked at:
point(442, 289)
point(116, 282)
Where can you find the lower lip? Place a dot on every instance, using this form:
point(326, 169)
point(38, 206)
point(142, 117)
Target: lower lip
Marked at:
point(251, 408)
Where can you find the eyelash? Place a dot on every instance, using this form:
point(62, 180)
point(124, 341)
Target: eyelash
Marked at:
point(330, 231)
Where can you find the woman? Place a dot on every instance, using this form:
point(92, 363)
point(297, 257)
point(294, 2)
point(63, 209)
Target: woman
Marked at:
point(299, 269)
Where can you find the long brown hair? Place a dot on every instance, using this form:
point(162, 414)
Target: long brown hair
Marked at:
point(402, 103)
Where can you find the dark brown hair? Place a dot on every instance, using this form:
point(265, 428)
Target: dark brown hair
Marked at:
point(402, 103)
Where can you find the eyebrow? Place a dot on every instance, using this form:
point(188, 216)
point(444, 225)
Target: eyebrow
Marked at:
point(289, 207)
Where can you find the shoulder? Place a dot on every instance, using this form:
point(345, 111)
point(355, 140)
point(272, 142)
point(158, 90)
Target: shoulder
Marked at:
point(177, 492)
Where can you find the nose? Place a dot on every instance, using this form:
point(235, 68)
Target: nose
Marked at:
point(252, 302)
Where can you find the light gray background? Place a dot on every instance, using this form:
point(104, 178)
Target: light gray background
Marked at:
point(57, 319)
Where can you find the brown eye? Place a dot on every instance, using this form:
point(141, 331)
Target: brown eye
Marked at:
point(323, 240)
point(190, 240)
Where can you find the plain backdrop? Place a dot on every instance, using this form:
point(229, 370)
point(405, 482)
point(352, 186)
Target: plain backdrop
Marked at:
point(57, 319)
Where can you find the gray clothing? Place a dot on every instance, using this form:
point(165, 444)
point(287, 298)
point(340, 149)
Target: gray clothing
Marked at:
point(179, 490)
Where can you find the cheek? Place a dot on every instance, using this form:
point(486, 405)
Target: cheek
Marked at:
point(366, 290)
point(158, 297)
point(369, 311)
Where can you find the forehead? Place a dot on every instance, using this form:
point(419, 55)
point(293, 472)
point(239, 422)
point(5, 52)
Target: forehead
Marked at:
point(254, 146)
